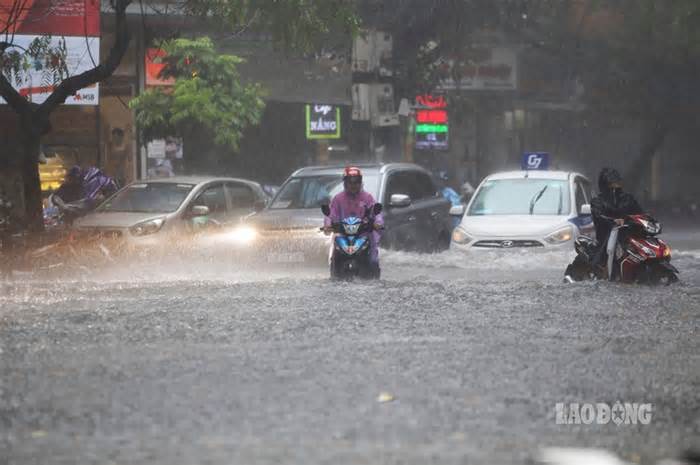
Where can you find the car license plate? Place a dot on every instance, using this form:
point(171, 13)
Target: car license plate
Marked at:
point(292, 257)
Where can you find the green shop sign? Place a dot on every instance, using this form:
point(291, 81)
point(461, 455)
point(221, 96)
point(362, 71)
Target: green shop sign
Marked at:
point(322, 121)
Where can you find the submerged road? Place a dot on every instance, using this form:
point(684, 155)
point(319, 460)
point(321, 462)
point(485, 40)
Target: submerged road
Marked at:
point(448, 359)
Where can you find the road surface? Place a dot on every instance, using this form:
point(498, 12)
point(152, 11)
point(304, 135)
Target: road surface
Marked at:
point(448, 359)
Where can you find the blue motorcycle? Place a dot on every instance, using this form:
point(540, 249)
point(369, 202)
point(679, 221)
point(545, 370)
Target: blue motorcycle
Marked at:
point(351, 248)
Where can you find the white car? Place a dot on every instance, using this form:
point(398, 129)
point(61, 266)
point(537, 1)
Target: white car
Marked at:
point(526, 209)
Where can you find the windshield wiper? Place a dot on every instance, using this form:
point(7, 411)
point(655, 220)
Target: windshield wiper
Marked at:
point(536, 198)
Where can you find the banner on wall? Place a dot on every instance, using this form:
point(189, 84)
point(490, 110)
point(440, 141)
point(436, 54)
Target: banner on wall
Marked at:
point(69, 25)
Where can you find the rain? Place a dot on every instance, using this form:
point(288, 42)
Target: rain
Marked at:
point(224, 288)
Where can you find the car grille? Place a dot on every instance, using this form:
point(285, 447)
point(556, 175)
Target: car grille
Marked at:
point(101, 233)
point(507, 244)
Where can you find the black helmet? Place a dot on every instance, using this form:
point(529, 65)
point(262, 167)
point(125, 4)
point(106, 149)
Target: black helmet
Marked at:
point(608, 176)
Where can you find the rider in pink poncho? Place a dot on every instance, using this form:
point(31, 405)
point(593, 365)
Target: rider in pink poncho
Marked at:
point(354, 201)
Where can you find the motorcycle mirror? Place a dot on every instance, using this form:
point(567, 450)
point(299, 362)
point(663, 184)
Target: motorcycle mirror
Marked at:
point(326, 210)
point(377, 209)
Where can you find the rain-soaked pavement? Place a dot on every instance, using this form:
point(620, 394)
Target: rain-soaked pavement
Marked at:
point(448, 359)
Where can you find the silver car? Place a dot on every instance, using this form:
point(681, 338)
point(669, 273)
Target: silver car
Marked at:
point(144, 212)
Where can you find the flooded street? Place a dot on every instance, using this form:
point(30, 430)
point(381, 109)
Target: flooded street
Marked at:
point(448, 359)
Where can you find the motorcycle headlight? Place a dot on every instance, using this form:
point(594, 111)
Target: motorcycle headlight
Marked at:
point(243, 235)
point(651, 227)
point(560, 235)
point(351, 229)
point(460, 236)
point(147, 227)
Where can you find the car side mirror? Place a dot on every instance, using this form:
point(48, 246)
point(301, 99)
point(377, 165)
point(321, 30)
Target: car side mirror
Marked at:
point(457, 210)
point(377, 209)
point(199, 210)
point(399, 200)
point(585, 209)
point(326, 210)
point(259, 205)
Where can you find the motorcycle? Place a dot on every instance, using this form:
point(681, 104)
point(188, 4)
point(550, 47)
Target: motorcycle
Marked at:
point(60, 215)
point(350, 249)
point(635, 255)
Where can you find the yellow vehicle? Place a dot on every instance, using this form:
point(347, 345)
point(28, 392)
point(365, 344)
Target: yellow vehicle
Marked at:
point(52, 173)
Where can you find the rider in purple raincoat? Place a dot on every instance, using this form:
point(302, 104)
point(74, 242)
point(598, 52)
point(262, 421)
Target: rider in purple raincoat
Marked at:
point(354, 201)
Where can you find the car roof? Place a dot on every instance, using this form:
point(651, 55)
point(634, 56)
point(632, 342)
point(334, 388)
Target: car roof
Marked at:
point(338, 169)
point(193, 180)
point(534, 174)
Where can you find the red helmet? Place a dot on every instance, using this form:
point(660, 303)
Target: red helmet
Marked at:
point(352, 172)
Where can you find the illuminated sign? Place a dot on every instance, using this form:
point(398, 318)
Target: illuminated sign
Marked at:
point(431, 101)
point(322, 122)
point(431, 122)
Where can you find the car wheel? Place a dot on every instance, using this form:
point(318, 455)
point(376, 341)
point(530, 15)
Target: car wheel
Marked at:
point(443, 242)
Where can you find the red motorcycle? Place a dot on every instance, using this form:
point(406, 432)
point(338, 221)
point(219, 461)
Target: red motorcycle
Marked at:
point(635, 255)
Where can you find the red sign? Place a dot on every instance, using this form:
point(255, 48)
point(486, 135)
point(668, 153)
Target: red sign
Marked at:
point(51, 17)
point(431, 116)
point(432, 101)
point(154, 66)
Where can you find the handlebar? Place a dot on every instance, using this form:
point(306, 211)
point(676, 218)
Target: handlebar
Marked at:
point(338, 227)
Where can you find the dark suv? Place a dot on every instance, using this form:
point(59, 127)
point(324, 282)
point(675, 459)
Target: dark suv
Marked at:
point(415, 214)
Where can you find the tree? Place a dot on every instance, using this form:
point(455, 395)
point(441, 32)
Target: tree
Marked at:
point(293, 24)
point(34, 118)
point(645, 67)
point(636, 59)
point(206, 99)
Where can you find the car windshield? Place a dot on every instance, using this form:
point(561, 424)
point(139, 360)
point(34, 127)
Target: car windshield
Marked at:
point(313, 191)
point(521, 197)
point(156, 197)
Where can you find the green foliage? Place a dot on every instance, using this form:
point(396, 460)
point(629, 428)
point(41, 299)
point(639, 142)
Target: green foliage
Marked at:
point(301, 25)
point(207, 96)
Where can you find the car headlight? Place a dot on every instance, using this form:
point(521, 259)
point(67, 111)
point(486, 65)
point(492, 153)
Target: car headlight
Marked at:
point(560, 235)
point(147, 227)
point(460, 236)
point(243, 234)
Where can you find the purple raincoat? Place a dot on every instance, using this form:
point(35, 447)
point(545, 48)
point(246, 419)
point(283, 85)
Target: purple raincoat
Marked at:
point(346, 204)
point(96, 182)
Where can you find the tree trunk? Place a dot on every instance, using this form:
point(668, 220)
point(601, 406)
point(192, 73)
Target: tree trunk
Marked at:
point(653, 136)
point(32, 185)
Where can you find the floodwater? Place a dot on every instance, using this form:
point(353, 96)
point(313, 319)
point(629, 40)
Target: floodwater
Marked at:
point(450, 358)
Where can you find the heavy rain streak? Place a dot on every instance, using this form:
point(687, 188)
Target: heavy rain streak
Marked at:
point(332, 231)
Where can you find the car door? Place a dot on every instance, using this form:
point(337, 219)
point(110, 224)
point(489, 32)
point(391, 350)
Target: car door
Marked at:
point(243, 199)
point(582, 197)
point(213, 196)
point(401, 222)
point(432, 211)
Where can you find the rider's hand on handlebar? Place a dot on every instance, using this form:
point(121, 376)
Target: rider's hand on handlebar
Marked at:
point(327, 230)
point(619, 221)
point(378, 227)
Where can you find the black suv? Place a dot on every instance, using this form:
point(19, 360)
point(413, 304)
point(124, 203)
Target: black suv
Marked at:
point(415, 214)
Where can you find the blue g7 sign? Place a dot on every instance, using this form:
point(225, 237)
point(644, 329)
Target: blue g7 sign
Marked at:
point(535, 161)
